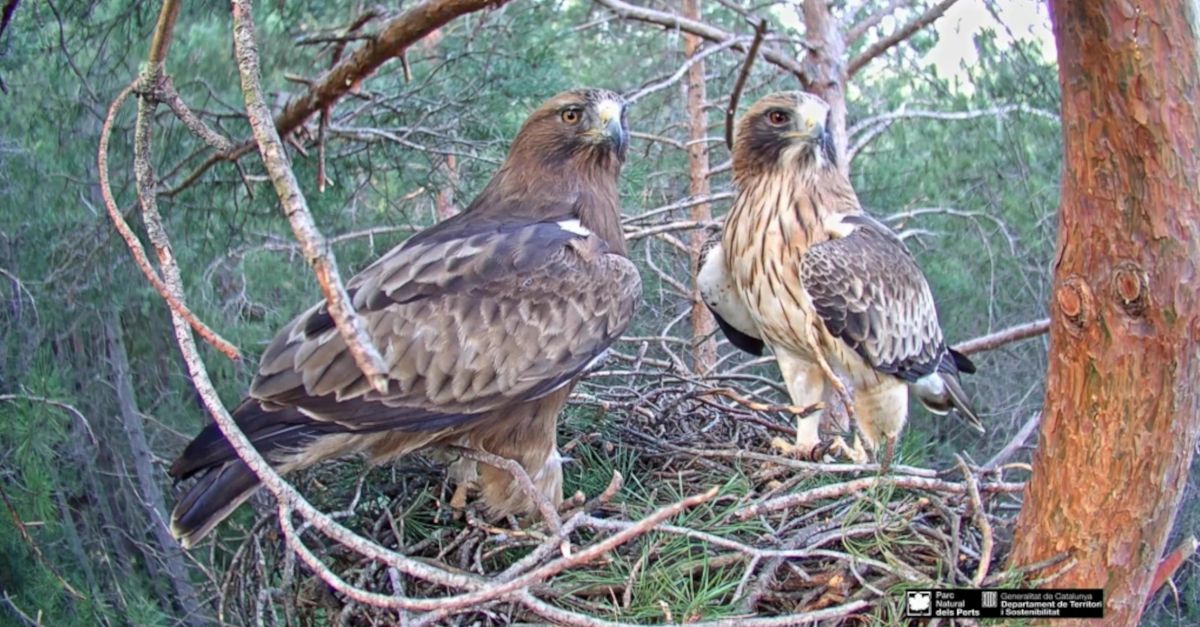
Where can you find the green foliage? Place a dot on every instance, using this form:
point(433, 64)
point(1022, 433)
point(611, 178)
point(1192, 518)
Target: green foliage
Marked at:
point(469, 91)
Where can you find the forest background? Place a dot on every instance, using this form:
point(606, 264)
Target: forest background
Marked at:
point(952, 138)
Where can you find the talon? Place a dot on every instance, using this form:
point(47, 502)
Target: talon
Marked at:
point(800, 450)
point(783, 446)
point(856, 453)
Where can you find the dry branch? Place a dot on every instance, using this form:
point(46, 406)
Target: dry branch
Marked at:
point(171, 98)
point(23, 531)
point(760, 31)
point(392, 39)
point(872, 20)
point(992, 341)
point(135, 247)
point(316, 251)
point(1171, 563)
point(868, 483)
point(904, 32)
point(696, 27)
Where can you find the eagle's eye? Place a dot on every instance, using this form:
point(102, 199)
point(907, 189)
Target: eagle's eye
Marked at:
point(778, 118)
point(572, 115)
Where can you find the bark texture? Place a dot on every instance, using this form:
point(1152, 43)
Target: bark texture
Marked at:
point(1122, 413)
point(704, 344)
point(826, 75)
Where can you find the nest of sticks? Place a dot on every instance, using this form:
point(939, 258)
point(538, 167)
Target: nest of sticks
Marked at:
point(682, 512)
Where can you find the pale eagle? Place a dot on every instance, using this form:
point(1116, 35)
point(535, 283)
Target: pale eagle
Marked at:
point(801, 268)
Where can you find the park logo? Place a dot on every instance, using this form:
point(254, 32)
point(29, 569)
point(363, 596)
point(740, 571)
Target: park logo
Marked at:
point(919, 603)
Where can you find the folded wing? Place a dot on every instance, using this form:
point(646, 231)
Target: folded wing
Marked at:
point(468, 320)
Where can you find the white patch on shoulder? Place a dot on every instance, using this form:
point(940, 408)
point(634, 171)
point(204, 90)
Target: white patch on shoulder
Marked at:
point(837, 227)
point(574, 226)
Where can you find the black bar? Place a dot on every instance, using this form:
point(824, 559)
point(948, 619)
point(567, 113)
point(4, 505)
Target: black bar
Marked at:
point(1004, 603)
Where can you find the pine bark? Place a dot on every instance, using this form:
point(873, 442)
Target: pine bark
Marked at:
point(826, 70)
point(148, 493)
point(704, 345)
point(1122, 411)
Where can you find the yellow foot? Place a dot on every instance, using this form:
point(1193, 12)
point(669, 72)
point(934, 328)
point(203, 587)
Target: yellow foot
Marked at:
point(459, 499)
point(856, 453)
point(802, 450)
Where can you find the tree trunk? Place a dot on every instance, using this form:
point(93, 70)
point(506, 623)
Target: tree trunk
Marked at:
point(444, 200)
point(148, 492)
point(1122, 413)
point(826, 76)
point(704, 345)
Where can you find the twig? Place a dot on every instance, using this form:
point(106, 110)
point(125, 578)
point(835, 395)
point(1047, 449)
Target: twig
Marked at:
point(316, 251)
point(170, 96)
point(867, 483)
point(711, 33)
point(135, 247)
point(1016, 443)
point(651, 88)
point(395, 36)
point(904, 32)
point(760, 31)
point(872, 20)
point(565, 617)
point(71, 409)
point(545, 507)
point(1171, 563)
point(980, 517)
point(992, 341)
point(799, 412)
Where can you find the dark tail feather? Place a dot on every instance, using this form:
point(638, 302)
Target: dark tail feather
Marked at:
point(959, 399)
point(224, 480)
point(962, 363)
point(209, 500)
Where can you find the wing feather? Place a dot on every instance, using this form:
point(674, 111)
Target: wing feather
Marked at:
point(467, 322)
point(868, 290)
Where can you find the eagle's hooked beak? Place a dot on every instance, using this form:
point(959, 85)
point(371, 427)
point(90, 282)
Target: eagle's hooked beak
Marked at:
point(812, 129)
point(609, 112)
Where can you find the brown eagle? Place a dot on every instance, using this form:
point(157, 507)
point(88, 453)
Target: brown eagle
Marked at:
point(836, 295)
point(486, 321)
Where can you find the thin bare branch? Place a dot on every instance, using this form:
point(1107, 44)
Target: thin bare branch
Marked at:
point(873, 20)
point(171, 98)
point(791, 501)
point(904, 32)
point(23, 531)
point(394, 37)
point(316, 250)
point(904, 113)
point(135, 246)
point(1016, 443)
point(695, 27)
point(659, 85)
point(980, 517)
point(992, 341)
point(760, 31)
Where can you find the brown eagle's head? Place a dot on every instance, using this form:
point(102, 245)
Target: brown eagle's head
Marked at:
point(787, 128)
point(581, 125)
